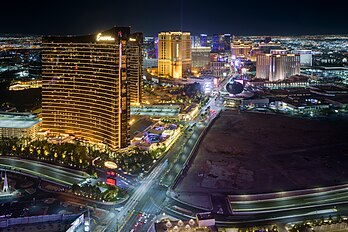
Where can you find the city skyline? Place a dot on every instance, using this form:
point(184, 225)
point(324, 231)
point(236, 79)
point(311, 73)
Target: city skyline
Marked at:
point(159, 116)
point(253, 18)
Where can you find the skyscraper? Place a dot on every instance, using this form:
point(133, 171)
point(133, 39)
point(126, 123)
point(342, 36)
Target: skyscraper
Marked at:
point(227, 42)
point(135, 67)
point(277, 67)
point(217, 43)
point(174, 54)
point(86, 85)
point(203, 40)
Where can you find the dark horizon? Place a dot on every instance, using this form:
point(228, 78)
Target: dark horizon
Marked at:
point(252, 18)
point(192, 34)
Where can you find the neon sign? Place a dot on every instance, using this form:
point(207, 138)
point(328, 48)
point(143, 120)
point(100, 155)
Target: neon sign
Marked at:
point(111, 181)
point(104, 38)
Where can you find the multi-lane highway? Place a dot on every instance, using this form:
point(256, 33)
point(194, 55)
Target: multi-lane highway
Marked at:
point(45, 171)
point(129, 209)
point(283, 210)
point(149, 197)
point(149, 200)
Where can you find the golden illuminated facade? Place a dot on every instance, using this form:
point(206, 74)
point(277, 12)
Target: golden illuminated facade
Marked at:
point(277, 67)
point(85, 90)
point(135, 67)
point(240, 49)
point(174, 54)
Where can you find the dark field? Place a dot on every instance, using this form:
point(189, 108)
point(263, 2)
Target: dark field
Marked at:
point(257, 153)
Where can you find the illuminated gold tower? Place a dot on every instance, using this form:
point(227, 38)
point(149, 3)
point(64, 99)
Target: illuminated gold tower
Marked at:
point(135, 67)
point(241, 49)
point(174, 54)
point(85, 89)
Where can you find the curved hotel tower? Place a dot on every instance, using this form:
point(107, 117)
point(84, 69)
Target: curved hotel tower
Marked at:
point(86, 85)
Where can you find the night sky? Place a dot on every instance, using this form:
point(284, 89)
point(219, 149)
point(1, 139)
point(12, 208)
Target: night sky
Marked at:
point(243, 17)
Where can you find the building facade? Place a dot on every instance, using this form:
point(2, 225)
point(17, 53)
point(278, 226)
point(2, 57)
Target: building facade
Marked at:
point(241, 49)
point(19, 125)
point(277, 67)
point(86, 85)
point(306, 57)
point(200, 57)
point(174, 54)
point(135, 67)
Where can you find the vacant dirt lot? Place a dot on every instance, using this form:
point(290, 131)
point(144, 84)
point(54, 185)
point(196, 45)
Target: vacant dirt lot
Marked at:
point(258, 153)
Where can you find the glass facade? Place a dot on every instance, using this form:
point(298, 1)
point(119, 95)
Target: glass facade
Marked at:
point(86, 90)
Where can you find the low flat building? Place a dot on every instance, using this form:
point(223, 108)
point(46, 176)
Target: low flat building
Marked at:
point(189, 112)
point(156, 110)
point(329, 90)
point(296, 81)
point(204, 223)
point(19, 125)
point(339, 102)
point(255, 102)
point(205, 219)
point(305, 106)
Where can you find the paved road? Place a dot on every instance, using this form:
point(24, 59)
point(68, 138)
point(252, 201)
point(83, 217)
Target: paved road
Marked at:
point(150, 196)
point(45, 171)
point(127, 215)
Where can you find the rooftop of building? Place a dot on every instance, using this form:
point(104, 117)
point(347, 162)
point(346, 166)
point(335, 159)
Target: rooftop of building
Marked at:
point(188, 108)
point(204, 216)
point(140, 125)
point(290, 92)
point(343, 99)
point(112, 35)
point(174, 33)
point(295, 78)
point(18, 120)
point(200, 49)
point(330, 88)
point(305, 101)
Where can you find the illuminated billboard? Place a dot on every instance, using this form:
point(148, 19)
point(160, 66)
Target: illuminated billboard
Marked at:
point(111, 181)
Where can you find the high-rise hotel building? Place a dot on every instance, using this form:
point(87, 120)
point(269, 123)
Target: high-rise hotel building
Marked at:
point(241, 49)
point(174, 54)
point(87, 84)
point(277, 66)
point(134, 54)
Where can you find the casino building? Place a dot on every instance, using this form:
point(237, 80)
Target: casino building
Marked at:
point(277, 66)
point(174, 54)
point(135, 67)
point(88, 84)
